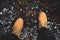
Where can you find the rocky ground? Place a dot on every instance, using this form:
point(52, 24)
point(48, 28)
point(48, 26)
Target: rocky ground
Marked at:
point(29, 11)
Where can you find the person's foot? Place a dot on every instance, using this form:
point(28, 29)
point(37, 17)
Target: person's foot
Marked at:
point(17, 27)
point(42, 19)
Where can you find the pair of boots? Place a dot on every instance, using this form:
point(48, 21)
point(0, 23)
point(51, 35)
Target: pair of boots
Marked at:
point(18, 25)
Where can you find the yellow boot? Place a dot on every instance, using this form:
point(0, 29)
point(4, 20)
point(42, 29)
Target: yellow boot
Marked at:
point(17, 27)
point(42, 18)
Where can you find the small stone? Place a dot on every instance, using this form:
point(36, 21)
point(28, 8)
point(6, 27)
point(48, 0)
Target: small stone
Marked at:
point(55, 27)
point(0, 13)
point(20, 9)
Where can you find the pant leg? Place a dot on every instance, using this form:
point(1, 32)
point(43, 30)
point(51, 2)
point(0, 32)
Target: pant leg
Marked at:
point(45, 34)
point(9, 36)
